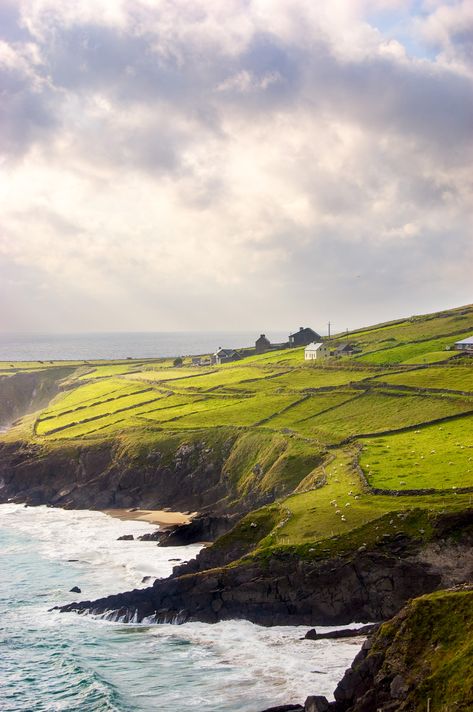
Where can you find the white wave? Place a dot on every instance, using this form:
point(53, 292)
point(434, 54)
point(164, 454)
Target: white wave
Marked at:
point(88, 538)
point(260, 660)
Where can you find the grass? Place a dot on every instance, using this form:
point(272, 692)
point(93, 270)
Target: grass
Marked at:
point(378, 411)
point(300, 379)
point(457, 378)
point(242, 413)
point(432, 457)
point(423, 327)
point(85, 396)
point(48, 423)
point(305, 409)
point(335, 513)
point(410, 352)
point(227, 377)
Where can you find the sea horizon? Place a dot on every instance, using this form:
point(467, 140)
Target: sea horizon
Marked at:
point(113, 345)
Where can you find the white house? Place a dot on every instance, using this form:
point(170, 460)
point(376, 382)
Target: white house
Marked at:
point(316, 350)
point(225, 356)
point(465, 345)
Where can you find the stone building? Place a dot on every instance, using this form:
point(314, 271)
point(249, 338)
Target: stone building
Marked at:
point(304, 336)
point(262, 344)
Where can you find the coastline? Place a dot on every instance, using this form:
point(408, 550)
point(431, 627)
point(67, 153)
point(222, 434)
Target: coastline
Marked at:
point(161, 517)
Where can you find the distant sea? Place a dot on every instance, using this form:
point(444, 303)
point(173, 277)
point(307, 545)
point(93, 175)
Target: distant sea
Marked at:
point(122, 345)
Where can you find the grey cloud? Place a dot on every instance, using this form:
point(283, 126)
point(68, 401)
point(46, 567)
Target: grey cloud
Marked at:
point(432, 105)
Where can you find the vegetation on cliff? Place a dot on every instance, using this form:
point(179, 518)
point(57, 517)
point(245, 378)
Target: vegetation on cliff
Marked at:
point(420, 660)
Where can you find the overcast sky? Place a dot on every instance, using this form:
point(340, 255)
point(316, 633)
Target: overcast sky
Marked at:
point(212, 164)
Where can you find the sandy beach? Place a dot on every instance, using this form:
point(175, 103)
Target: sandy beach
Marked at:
point(161, 517)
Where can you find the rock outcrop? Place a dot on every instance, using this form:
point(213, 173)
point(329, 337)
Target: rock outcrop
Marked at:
point(420, 660)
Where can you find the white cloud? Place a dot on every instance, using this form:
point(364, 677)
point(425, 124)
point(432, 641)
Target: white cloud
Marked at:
point(176, 165)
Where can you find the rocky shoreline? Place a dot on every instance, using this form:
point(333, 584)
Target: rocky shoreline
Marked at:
point(368, 585)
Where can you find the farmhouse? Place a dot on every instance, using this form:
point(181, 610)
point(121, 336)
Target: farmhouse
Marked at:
point(316, 350)
point(465, 345)
point(225, 356)
point(262, 344)
point(303, 337)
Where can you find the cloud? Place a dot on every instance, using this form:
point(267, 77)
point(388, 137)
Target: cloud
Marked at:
point(176, 165)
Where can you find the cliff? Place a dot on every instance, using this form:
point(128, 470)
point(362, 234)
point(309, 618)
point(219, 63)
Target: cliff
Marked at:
point(420, 660)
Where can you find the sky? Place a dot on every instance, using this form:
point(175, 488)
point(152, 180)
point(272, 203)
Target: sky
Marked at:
point(233, 164)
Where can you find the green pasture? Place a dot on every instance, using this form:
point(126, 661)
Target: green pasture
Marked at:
point(299, 379)
point(226, 377)
point(162, 375)
point(241, 413)
point(410, 352)
point(417, 328)
point(432, 457)
point(90, 394)
point(49, 423)
point(296, 416)
point(336, 511)
point(385, 410)
point(456, 378)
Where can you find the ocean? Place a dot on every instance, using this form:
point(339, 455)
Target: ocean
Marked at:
point(76, 347)
point(73, 663)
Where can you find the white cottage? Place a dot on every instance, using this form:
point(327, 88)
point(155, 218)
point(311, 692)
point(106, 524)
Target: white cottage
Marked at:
point(316, 350)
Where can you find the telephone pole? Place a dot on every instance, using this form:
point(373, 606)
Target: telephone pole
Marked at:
point(329, 331)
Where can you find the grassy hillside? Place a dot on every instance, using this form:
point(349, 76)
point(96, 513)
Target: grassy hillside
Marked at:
point(427, 650)
point(319, 436)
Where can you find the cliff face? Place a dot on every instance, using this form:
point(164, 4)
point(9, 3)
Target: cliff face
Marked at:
point(421, 660)
point(23, 393)
point(102, 475)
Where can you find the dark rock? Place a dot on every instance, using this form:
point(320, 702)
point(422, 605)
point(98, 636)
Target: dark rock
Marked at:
point(75, 589)
point(346, 633)
point(316, 703)
point(201, 528)
point(152, 536)
point(126, 537)
point(398, 687)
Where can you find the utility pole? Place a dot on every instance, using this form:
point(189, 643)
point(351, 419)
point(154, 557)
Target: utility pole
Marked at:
point(329, 331)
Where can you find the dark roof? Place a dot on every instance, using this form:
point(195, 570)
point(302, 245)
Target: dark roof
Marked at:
point(226, 352)
point(304, 330)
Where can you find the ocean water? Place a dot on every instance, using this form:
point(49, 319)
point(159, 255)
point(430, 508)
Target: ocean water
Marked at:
point(42, 347)
point(51, 661)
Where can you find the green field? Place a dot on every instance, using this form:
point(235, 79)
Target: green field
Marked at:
point(432, 457)
point(454, 378)
point(419, 352)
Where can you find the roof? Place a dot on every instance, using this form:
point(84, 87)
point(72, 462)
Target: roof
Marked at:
point(344, 347)
point(302, 330)
point(469, 340)
point(226, 352)
point(313, 346)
